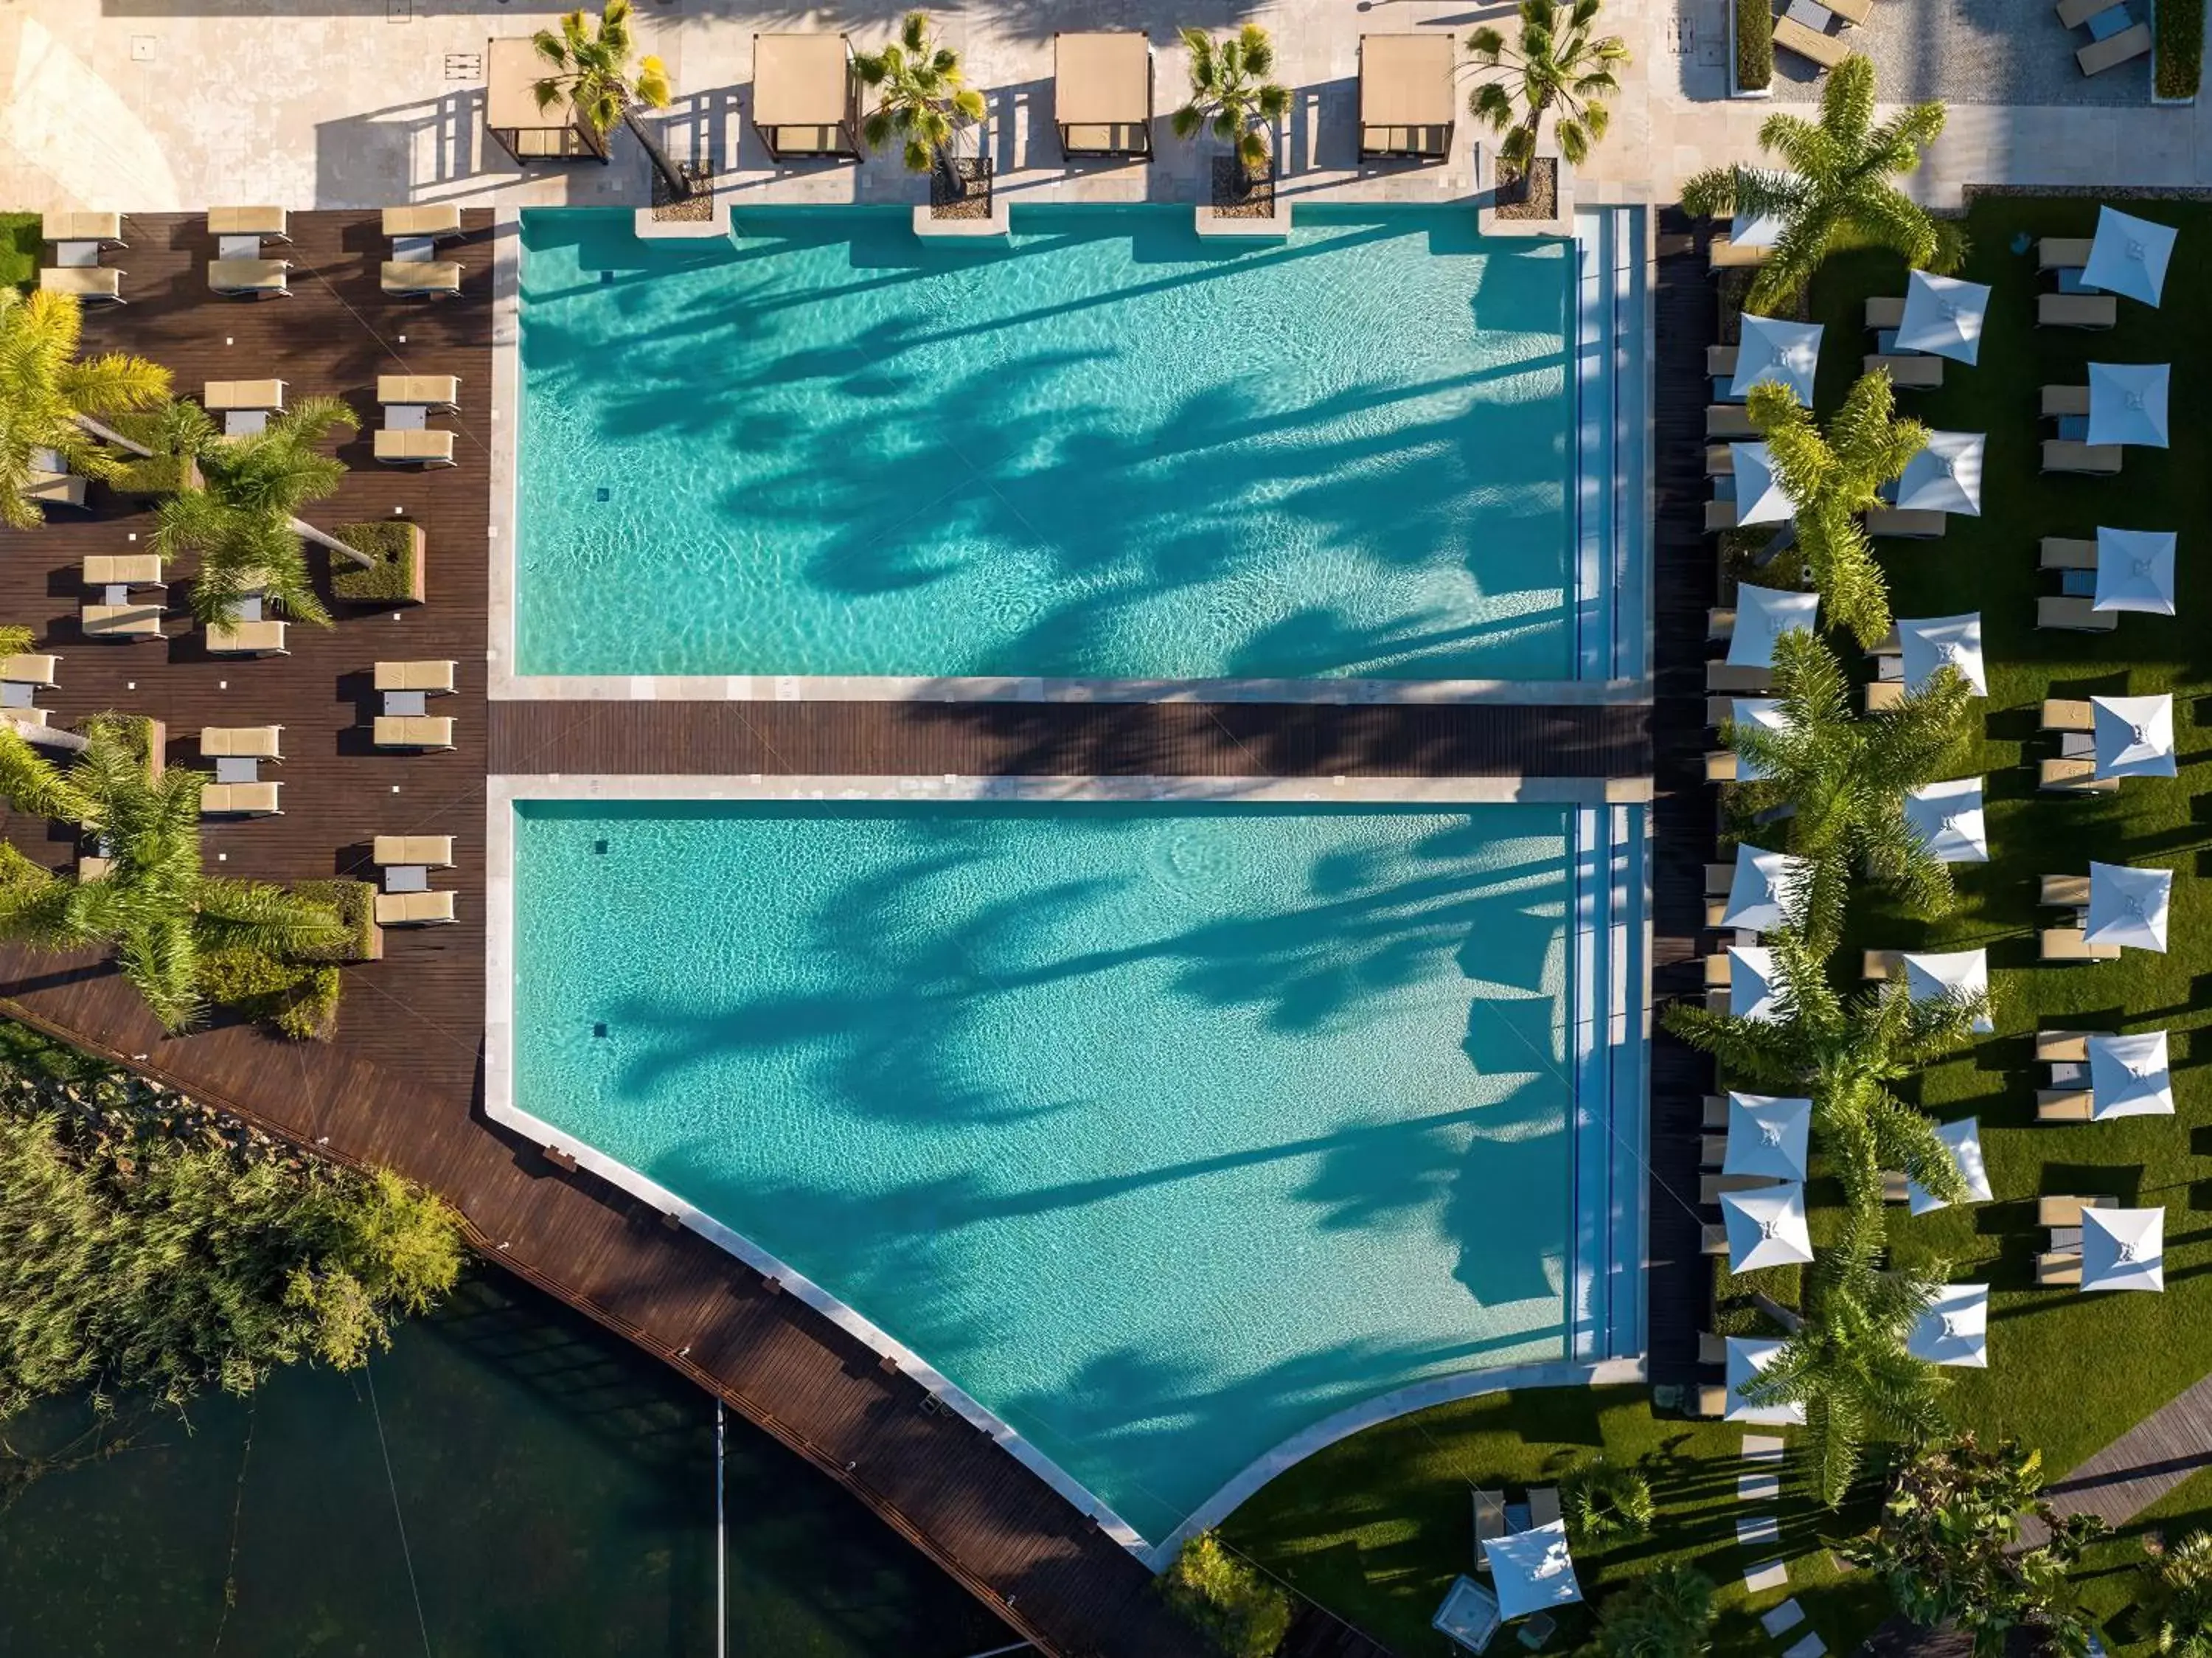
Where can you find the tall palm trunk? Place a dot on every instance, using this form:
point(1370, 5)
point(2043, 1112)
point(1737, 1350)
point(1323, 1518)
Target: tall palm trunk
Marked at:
point(52, 736)
point(1245, 179)
point(109, 435)
point(948, 169)
point(671, 174)
point(306, 532)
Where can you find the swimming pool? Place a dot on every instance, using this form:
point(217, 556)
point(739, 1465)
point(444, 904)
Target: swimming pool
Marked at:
point(1104, 450)
point(1161, 1129)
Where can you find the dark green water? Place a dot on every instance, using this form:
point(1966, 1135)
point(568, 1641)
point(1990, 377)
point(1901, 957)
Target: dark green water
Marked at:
point(556, 1489)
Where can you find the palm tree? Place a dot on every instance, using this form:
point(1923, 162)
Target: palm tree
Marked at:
point(1832, 477)
point(1832, 187)
point(592, 69)
point(49, 396)
point(923, 96)
point(1556, 66)
point(1229, 91)
point(2174, 1613)
point(1839, 781)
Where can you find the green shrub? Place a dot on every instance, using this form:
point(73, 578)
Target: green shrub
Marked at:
point(21, 250)
point(356, 903)
point(1238, 1609)
point(1666, 1615)
point(309, 1010)
point(2180, 48)
point(1602, 1500)
point(136, 730)
point(1755, 44)
point(391, 542)
point(160, 474)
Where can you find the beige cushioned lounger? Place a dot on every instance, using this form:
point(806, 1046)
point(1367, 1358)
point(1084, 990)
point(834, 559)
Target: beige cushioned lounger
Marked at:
point(418, 447)
point(121, 621)
point(82, 227)
point(1723, 253)
point(2069, 714)
point(2063, 1105)
point(264, 638)
point(414, 909)
point(56, 490)
point(128, 569)
point(2073, 774)
point(248, 221)
point(29, 668)
point(2072, 944)
point(242, 742)
point(249, 275)
point(239, 800)
point(426, 851)
point(1826, 50)
point(414, 731)
point(425, 391)
point(84, 281)
point(431, 219)
point(224, 395)
point(2124, 47)
point(434, 677)
point(422, 276)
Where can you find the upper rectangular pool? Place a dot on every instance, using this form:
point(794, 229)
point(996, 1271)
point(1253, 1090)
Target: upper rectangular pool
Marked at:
point(1100, 450)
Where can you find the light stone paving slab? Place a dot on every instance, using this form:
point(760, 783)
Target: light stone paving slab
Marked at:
point(1762, 1579)
point(1763, 1447)
point(1758, 1488)
point(1757, 1533)
point(1775, 1620)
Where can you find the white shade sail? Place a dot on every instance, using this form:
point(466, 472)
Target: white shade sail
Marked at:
point(1747, 1356)
point(2135, 736)
point(1946, 476)
point(1782, 352)
point(1767, 1135)
point(1948, 820)
point(2129, 1076)
point(1932, 642)
point(2127, 403)
point(1764, 615)
point(1955, 1328)
point(1943, 316)
point(2129, 256)
point(1751, 981)
point(2123, 1249)
point(1532, 1570)
point(1766, 1227)
point(1759, 497)
point(1964, 1140)
point(1767, 889)
point(2127, 906)
point(2135, 570)
point(1755, 710)
point(1929, 974)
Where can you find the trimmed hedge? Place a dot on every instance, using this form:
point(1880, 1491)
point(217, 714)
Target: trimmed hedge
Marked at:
point(391, 542)
point(2180, 48)
point(1755, 44)
point(300, 998)
point(160, 474)
point(356, 903)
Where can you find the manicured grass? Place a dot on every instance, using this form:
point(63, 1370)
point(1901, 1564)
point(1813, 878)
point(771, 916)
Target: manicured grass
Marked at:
point(21, 252)
point(2111, 1572)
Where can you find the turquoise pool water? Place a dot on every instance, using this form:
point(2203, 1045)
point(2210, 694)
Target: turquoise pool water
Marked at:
point(1108, 450)
point(1163, 1131)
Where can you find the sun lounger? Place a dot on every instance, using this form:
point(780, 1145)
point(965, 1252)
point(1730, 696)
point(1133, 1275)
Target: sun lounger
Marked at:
point(2063, 1105)
point(1489, 1524)
point(2110, 53)
point(414, 731)
point(399, 446)
point(249, 742)
point(436, 220)
point(1906, 523)
point(123, 570)
point(2066, 1211)
point(1717, 1110)
point(2074, 614)
point(1727, 679)
point(271, 224)
point(1884, 311)
point(1826, 50)
point(1720, 361)
point(1712, 1349)
point(1710, 1187)
point(56, 490)
point(2073, 774)
point(423, 390)
point(434, 679)
point(1908, 371)
point(414, 909)
point(249, 278)
point(120, 622)
point(241, 800)
point(1725, 253)
point(2061, 1047)
point(1713, 1150)
point(1713, 1239)
point(1719, 710)
point(221, 396)
point(105, 228)
point(1720, 460)
point(422, 279)
point(2064, 552)
point(427, 851)
point(1719, 878)
point(2072, 944)
point(2062, 252)
point(2075, 14)
point(1543, 1505)
point(243, 638)
point(1719, 516)
point(1882, 695)
point(1716, 970)
point(2067, 714)
point(1895, 1188)
point(2060, 401)
point(1720, 765)
point(2058, 1268)
point(83, 282)
point(30, 667)
point(2064, 455)
point(1729, 421)
point(2076, 310)
point(2064, 892)
point(1879, 966)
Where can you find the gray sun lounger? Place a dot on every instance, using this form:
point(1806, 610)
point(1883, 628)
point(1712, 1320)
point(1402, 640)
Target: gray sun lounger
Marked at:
point(2075, 311)
point(2072, 613)
point(1909, 371)
point(2064, 455)
point(2122, 48)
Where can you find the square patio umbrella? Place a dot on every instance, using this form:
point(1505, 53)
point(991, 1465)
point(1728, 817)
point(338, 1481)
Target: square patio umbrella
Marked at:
point(1755, 710)
point(2123, 1249)
point(1944, 316)
point(1929, 974)
point(1767, 889)
point(1759, 498)
point(2133, 736)
point(1964, 1140)
point(1955, 1328)
point(1929, 642)
point(1946, 476)
point(1766, 1227)
point(2135, 570)
point(2127, 906)
point(2129, 1076)
point(1747, 1356)
point(1764, 615)
point(1532, 1570)
point(2127, 403)
point(1767, 1136)
point(1751, 982)
point(1947, 817)
point(1782, 352)
point(2129, 256)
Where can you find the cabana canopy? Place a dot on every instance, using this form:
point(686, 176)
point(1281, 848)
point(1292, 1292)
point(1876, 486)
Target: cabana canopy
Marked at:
point(513, 69)
point(1747, 1356)
point(2127, 403)
point(2129, 256)
point(2135, 570)
point(1755, 710)
point(1764, 615)
point(1946, 476)
point(1929, 974)
point(2127, 906)
point(2129, 1077)
point(1766, 1227)
point(1407, 101)
point(1751, 981)
point(1767, 1136)
point(1955, 1328)
point(2135, 736)
point(1532, 1570)
point(1929, 642)
point(1786, 353)
point(1759, 498)
point(1101, 91)
point(1767, 889)
point(2123, 1249)
point(1947, 818)
point(1964, 1140)
point(1944, 316)
point(807, 100)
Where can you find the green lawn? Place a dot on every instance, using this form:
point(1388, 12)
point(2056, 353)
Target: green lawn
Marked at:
point(2111, 1572)
point(20, 251)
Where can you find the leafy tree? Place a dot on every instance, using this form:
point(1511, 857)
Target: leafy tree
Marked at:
point(49, 396)
point(1838, 780)
point(1946, 1547)
point(923, 96)
point(1667, 1613)
point(1238, 1608)
point(1230, 92)
point(593, 70)
point(1603, 1500)
point(1832, 187)
point(1556, 66)
point(2174, 1613)
point(1832, 477)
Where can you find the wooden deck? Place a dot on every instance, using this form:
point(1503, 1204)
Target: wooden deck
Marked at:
point(399, 1085)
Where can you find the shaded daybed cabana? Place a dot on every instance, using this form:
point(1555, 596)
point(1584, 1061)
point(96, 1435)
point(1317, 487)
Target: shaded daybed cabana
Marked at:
point(807, 100)
point(1102, 94)
point(557, 133)
point(1406, 104)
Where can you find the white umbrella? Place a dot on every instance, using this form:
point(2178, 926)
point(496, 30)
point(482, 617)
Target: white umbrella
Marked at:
point(2129, 1077)
point(1761, 230)
point(1766, 1227)
point(1946, 476)
point(1767, 890)
point(1759, 498)
point(1764, 615)
point(1767, 1136)
point(2127, 906)
point(2129, 256)
point(1947, 817)
point(1963, 1139)
point(1929, 974)
point(1755, 710)
point(1943, 316)
point(1532, 1570)
point(2135, 736)
point(2127, 403)
point(1933, 642)
point(1786, 353)
point(1955, 1328)
point(2123, 1249)
point(2135, 570)
point(1747, 1356)
point(1751, 981)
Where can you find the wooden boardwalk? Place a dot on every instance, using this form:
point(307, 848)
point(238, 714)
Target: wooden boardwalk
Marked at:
point(2144, 1464)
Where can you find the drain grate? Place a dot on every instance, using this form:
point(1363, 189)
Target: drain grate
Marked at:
point(600, 1031)
point(465, 66)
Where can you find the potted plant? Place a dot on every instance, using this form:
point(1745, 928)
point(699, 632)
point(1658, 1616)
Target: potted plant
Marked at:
point(922, 96)
point(1558, 66)
point(1231, 94)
